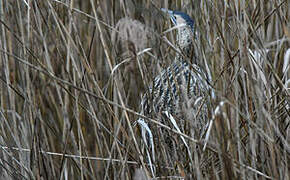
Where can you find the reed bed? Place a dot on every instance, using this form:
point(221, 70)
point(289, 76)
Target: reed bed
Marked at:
point(72, 74)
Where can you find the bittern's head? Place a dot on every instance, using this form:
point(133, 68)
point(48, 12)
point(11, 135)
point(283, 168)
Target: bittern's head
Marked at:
point(179, 18)
point(185, 26)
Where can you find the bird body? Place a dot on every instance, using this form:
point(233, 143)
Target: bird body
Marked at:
point(170, 90)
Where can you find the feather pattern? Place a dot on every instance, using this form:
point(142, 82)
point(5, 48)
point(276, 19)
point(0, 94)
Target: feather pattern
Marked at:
point(180, 81)
point(180, 86)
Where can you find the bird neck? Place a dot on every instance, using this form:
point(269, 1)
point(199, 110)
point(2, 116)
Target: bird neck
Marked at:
point(185, 42)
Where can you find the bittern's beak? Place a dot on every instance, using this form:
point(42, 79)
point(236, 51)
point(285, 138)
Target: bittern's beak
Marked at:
point(171, 15)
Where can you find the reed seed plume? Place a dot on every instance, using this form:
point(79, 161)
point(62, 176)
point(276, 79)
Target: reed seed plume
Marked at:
point(131, 31)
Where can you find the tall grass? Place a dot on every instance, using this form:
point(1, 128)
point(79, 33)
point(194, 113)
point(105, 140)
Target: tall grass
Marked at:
point(73, 72)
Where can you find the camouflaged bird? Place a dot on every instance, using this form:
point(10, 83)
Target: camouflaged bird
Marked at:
point(183, 85)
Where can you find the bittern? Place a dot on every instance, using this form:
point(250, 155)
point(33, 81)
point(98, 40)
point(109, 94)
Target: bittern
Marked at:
point(182, 85)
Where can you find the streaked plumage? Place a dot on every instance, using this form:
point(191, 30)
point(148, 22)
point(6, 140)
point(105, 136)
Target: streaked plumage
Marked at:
point(172, 87)
point(181, 85)
point(180, 79)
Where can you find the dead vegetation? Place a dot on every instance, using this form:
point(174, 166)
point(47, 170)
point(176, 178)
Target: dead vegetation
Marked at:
point(72, 75)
